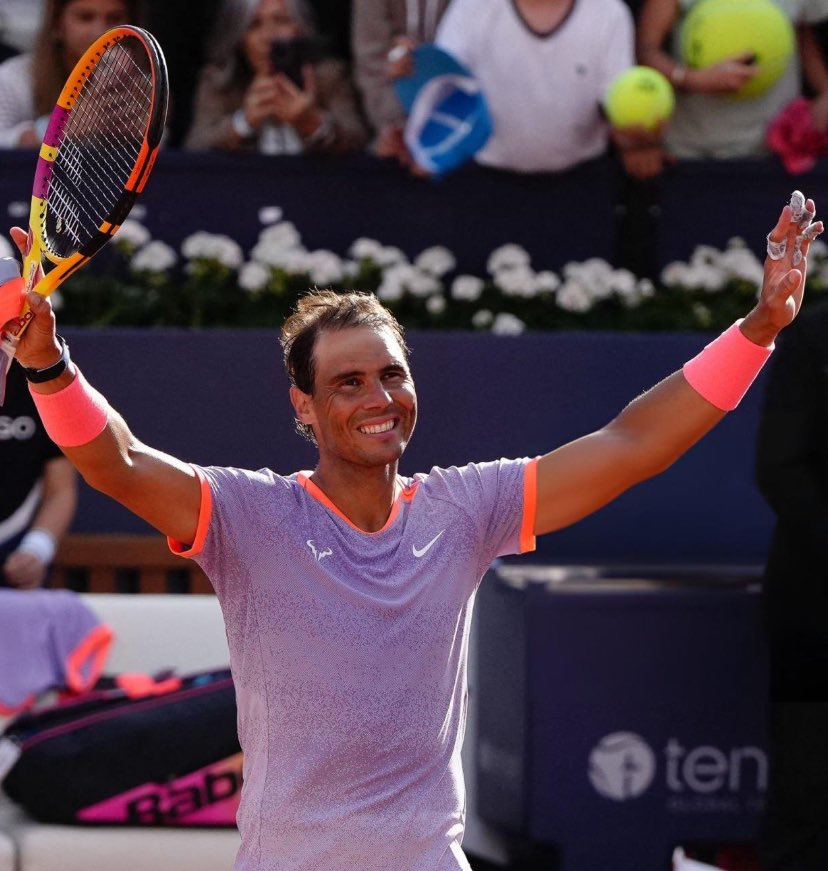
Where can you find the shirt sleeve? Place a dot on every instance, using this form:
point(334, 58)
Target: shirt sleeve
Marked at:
point(237, 506)
point(500, 497)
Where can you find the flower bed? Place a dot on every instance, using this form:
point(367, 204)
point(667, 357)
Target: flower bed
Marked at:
point(211, 282)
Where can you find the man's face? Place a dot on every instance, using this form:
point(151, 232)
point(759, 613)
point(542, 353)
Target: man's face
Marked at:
point(364, 406)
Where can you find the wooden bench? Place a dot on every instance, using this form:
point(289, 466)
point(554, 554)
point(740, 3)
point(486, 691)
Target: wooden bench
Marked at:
point(124, 564)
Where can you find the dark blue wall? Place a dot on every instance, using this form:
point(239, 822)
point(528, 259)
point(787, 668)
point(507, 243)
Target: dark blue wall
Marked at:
point(221, 397)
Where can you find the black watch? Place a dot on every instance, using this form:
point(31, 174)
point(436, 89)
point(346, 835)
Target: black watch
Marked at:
point(38, 376)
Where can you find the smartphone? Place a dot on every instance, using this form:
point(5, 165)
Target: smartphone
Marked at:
point(288, 56)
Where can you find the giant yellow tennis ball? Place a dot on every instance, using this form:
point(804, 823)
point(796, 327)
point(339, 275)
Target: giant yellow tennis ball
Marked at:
point(715, 30)
point(640, 97)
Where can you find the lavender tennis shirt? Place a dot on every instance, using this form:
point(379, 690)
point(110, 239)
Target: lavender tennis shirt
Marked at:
point(348, 652)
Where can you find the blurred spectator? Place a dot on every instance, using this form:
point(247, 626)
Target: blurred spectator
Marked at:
point(706, 124)
point(184, 38)
point(792, 473)
point(31, 83)
point(19, 23)
point(379, 26)
point(275, 93)
point(543, 66)
point(39, 492)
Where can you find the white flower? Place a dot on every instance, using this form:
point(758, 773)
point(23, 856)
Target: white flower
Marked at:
point(365, 249)
point(622, 282)
point(283, 235)
point(708, 277)
point(270, 215)
point(325, 267)
point(822, 275)
point(5, 248)
point(436, 261)
point(593, 275)
point(213, 246)
point(519, 281)
point(57, 300)
point(253, 277)
point(18, 209)
point(572, 296)
point(350, 268)
point(743, 264)
point(482, 318)
point(278, 246)
point(507, 257)
point(388, 255)
point(547, 281)
point(133, 233)
point(676, 274)
point(155, 257)
point(468, 287)
point(705, 255)
point(818, 249)
point(421, 284)
point(736, 242)
point(507, 324)
point(139, 211)
point(390, 289)
point(436, 304)
point(644, 289)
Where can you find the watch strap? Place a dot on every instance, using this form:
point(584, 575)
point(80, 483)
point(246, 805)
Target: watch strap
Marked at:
point(39, 376)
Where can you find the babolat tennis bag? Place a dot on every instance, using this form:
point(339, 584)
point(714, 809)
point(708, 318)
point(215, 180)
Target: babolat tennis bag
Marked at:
point(161, 753)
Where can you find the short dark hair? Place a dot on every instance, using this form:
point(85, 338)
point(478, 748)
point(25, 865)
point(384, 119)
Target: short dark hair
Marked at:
point(322, 310)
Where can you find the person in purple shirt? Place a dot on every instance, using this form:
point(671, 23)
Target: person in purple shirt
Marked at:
point(347, 589)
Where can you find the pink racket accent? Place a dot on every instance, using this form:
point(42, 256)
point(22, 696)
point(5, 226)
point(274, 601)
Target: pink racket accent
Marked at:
point(57, 121)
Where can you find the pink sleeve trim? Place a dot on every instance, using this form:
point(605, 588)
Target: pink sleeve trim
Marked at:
point(85, 663)
point(205, 513)
point(18, 709)
point(530, 505)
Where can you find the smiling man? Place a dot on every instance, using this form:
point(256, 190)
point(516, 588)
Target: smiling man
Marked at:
point(347, 591)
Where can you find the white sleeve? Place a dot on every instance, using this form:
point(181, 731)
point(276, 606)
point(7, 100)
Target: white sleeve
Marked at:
point(619, 46)
point(455, 29)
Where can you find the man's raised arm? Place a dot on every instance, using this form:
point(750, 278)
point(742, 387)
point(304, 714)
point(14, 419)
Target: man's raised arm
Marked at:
point(655, 429)
point(159, 488)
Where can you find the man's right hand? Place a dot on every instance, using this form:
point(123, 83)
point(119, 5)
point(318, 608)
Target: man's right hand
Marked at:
point(38, 346)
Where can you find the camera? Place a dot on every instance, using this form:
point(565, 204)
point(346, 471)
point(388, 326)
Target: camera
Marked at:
point(288, 56)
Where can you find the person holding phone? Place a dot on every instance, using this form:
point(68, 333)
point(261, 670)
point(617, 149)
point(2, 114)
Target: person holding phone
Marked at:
point(708, 122)
point(276, 92)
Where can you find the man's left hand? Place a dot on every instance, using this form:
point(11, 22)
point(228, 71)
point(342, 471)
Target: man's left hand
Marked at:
point(783, 284)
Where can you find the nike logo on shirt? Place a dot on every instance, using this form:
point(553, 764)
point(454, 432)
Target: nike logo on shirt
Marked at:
point(422, 551)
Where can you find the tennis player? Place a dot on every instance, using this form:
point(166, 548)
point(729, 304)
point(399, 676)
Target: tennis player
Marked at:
point(347, 591)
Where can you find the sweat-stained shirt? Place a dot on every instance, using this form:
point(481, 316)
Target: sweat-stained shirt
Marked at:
point(348, 651)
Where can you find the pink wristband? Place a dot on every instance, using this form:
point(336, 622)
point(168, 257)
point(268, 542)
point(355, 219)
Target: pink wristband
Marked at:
point(72, 416)
point(725, 369)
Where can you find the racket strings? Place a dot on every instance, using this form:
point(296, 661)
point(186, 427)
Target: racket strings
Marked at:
point(102, 141)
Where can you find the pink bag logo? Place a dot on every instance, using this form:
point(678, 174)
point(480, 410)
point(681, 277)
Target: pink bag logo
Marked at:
point(207, 797)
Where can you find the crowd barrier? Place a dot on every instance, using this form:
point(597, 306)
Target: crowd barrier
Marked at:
point(591, 211)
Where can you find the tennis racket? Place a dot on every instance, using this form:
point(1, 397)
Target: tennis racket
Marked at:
point(97, 153)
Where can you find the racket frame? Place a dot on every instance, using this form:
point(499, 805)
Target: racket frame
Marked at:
point(63, 267)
